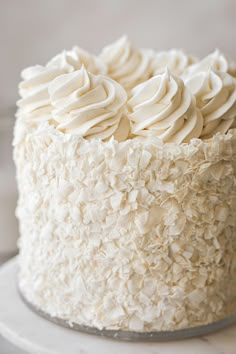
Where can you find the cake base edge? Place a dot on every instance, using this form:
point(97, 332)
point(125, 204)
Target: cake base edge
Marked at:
point(153, 336)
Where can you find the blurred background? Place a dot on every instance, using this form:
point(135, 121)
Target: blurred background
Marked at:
point(31, 32)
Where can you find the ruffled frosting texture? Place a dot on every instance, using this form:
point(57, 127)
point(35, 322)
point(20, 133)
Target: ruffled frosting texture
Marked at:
point(164, 107)
point(74, 59)
point(215, 61)
point(127, 65)
point(176, 60)
point(215, 94)
point(150, 112)
point(35, 102)
point(88, 105)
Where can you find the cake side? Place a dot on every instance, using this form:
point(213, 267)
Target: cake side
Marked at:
point(137, 235)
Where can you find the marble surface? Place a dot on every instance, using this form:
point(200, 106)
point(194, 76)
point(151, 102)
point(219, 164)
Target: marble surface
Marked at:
point(5, 346)
point(36, 335)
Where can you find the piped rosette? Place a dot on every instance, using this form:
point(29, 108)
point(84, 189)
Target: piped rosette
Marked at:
point(35, 102)
point(89, 105)
point(176, 60)
point(215, 94)
point(164, 107)
point(127, 65)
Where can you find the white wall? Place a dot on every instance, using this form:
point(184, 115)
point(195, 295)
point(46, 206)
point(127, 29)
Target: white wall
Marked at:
point(32, 31)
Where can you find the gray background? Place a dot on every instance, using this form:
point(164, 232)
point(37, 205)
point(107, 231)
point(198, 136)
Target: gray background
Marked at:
point(32, 31)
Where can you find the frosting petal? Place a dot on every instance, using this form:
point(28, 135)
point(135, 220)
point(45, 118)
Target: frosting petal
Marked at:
point(33, 90)
point(88, 105)
point(176, 61)
point(72, 60)
point(35, 102)
point(215, 94)
point(127, 65)
point(215, 61)
point(162, 106)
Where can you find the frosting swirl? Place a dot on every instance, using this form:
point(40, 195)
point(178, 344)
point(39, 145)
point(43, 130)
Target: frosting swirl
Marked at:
point(126, 64)
point(72, 60)
point(164, 107)
point(176, 61)
point(215, 61)
point(88, 105)
point(215, 94)
point(35, 102)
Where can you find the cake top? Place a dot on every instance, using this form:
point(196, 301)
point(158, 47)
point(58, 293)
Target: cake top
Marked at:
point(127, 92)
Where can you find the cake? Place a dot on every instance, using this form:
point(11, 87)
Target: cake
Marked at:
point(126, 171)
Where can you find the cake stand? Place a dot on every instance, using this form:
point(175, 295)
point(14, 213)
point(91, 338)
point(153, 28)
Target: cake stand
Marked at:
point(36, 335)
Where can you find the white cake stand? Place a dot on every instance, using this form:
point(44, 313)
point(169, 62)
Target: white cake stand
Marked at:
point(32, 333)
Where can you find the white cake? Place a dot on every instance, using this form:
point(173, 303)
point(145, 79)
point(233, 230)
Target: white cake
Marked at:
point(127, 200)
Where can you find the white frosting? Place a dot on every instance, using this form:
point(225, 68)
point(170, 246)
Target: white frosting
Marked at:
point(35, 102)
point(127, 65)
point(136, 236)
point(88, 105)
point(176, 60)
point(216, 98)
point(74, 59)
point(164, 107)
point(215, 61)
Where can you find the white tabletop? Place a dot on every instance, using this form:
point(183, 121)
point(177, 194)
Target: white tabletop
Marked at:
point(5, 346)
point(34, 334)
